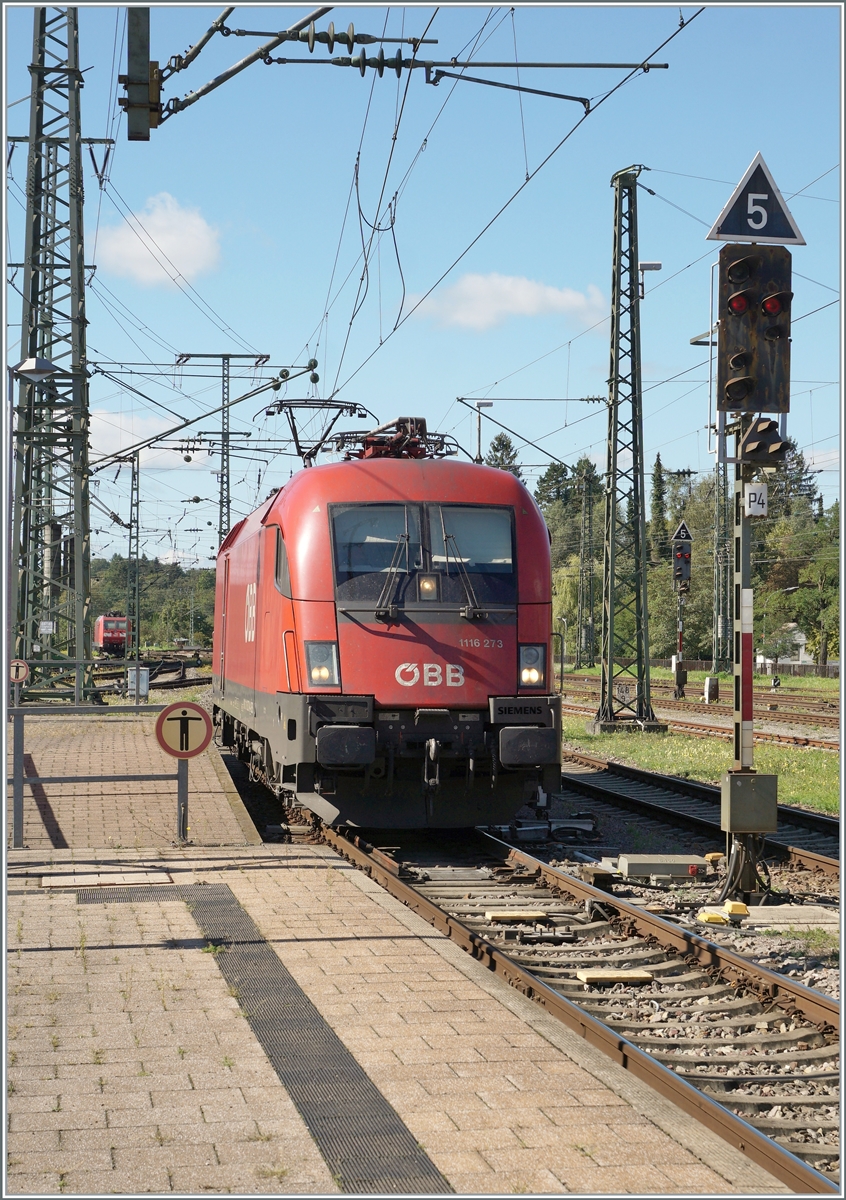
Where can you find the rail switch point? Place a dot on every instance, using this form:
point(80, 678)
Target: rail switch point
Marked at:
point(677, 866)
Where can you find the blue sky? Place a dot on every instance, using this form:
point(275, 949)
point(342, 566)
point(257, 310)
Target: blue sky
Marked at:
point(246, 193)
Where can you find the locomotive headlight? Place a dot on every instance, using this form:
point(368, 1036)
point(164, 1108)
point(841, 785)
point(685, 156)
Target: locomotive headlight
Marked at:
point(532, 666)
point(427, 587)
point(322, 663)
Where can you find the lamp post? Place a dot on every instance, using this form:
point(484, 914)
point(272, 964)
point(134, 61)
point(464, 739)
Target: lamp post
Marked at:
point(480, 404)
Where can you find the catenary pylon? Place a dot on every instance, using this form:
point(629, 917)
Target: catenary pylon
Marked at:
point(50, 586)
point(625, 694)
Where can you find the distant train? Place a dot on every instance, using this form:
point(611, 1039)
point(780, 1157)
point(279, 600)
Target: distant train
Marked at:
point(382, 637)
point(111, 633)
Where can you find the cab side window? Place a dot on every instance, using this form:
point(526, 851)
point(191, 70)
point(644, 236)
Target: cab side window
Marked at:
point(283, 575)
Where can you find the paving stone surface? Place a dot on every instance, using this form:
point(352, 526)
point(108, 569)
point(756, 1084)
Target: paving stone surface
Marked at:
point(120, 815)
point(131, 1068)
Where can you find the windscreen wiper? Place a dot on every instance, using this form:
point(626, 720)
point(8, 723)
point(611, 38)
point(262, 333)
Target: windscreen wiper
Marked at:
point(471, 610)
point(384, 611)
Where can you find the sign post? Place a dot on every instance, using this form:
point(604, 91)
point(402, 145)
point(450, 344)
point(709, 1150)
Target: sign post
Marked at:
point(18, 675)
point(183, 731)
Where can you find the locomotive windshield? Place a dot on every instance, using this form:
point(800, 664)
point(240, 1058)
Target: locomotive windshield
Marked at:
point(374, 541)
point(479, 537)
point(371, 538)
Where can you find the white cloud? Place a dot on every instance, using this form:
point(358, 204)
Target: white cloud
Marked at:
point(112, 433)
point(482, 301)
point(169, 232)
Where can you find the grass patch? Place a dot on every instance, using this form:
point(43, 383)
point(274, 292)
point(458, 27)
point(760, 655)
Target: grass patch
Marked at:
point(807, 777)
point(819, 943)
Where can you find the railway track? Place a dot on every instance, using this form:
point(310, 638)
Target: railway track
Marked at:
point(590, 685)
point(699, 729)
point(751, 1054)
point(775, 714)
point(806, 838)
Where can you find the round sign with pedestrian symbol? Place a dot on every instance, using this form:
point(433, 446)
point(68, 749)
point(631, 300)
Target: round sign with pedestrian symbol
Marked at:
point(18, 671)
point(184, 730)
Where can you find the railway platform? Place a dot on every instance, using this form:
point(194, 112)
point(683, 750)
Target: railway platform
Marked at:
point(263, 1018)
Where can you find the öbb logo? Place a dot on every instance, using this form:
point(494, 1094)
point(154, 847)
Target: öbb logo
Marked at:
point(250, 613)
point(408, 674)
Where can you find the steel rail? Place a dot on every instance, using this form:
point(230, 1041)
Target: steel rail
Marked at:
point(796, 854)
point(818, 822)
point(762, 1150)
point(699, 729)
point(719, 708)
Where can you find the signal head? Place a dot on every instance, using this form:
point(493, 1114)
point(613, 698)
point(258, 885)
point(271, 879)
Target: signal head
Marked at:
point(739, 303)
point(741, 270)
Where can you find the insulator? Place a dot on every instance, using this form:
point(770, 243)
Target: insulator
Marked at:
point(350, 37)
point(276, 385)
point(330, 36)
point(398, 63)
point(380, 63)
point(314, 377)
point(311, 38)
point(311, 364)
point(362, 62)
point(284, 373)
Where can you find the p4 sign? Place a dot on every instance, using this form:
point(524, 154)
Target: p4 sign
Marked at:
point(755, 500)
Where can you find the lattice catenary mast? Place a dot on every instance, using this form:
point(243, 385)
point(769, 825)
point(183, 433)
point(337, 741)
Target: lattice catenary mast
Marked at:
point(50, 592)
point(624, 693)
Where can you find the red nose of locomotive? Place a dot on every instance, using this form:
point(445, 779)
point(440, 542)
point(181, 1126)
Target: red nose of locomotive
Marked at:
point(401, 671)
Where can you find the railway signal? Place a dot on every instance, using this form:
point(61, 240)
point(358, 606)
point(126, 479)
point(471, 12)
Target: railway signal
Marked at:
point(753, 378)
point(753, 359)
point(682, 542)
point(762, 444)
point(681, 566)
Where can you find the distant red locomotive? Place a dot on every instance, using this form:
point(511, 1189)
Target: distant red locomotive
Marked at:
point(110, 635)
point(382, 640)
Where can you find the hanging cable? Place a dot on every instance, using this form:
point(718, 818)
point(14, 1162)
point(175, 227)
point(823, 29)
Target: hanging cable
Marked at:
point(519, 94)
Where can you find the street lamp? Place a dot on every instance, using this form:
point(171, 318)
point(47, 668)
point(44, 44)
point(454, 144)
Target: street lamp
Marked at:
point(480, 404)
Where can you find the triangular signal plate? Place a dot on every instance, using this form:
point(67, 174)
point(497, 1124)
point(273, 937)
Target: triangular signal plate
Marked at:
point(756, 212)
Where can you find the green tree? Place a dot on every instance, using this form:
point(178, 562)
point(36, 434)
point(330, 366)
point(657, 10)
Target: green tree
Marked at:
point(167, 596)
point(818, 600)
point(559, 496)
point(554, 485)
point(658, 534)
point(503, 454)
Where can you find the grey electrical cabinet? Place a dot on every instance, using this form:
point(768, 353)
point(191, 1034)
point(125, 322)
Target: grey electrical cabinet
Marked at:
point(749, 803)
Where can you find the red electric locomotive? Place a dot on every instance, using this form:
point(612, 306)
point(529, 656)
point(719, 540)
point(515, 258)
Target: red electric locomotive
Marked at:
point(110, 635)
point(382, 640)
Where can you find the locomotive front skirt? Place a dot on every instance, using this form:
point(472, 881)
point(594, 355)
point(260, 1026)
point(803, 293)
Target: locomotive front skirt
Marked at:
point(382, 644)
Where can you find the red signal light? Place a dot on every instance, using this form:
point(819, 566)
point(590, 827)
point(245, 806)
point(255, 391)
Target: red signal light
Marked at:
point(739, 304)
point(772, 306)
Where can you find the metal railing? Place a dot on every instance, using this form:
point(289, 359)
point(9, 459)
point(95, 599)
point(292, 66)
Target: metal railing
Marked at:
point(19, 780)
